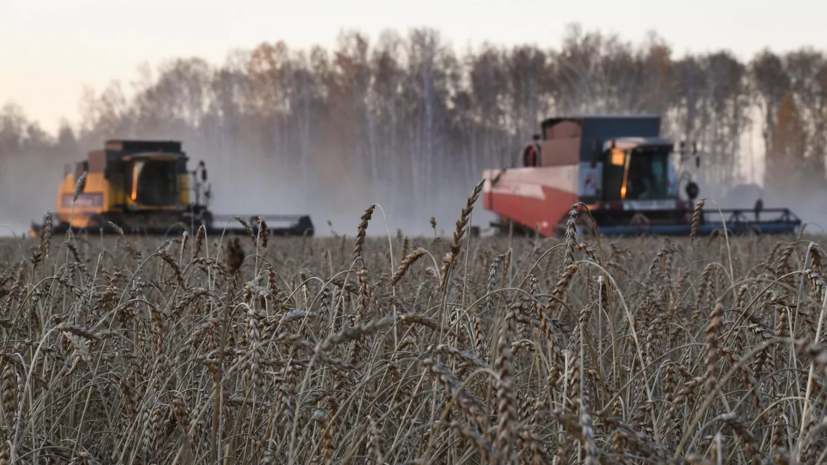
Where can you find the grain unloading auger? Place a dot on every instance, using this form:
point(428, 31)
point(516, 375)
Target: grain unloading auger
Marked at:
point(625, 174)
point(144, 187)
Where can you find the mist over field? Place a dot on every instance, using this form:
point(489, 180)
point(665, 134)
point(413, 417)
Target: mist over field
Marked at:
point(408, 122)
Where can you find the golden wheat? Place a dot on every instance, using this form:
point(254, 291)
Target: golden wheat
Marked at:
point(643, 350)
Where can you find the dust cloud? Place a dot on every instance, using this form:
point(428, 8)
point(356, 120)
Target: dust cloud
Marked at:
point(28, 188)
point(329, 192)
point(805, 203)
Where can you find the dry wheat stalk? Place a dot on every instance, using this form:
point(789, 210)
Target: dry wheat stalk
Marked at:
point(696, 218)
point(361, 231)
point(231, 362)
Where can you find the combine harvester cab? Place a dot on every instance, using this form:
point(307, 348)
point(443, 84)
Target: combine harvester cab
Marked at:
point(626, 175)
point(144, 187)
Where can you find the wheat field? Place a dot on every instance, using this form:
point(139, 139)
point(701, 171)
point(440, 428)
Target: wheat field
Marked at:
point(426, 350)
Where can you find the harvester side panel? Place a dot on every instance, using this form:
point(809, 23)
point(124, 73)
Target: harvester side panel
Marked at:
point(137, 146)
point(564, 130)
point(598, 129)
point(97, 161)
point(590, 182)
point(560, 152)
point(92, 201)
point(532, 197)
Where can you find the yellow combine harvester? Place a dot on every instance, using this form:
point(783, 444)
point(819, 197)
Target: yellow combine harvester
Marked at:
point(143, 186)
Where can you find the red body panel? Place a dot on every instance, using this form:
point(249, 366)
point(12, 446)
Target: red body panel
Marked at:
point(529, 211)
point(537, 198)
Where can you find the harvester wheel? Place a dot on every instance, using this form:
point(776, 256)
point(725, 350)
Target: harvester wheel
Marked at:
point(639, 219)
point(96, 221)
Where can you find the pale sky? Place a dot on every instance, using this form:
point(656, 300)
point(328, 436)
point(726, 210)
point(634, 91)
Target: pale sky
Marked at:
point(50, 49)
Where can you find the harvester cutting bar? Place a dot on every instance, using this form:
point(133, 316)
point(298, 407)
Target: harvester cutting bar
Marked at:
point(278, 225)
point(299, 225)
point(737, 221)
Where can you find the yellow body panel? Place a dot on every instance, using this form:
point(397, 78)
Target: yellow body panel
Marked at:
point(100, 196)
point(94, 199)
point(184, 189)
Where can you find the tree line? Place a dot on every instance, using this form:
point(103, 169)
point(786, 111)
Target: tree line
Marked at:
point(412, 122)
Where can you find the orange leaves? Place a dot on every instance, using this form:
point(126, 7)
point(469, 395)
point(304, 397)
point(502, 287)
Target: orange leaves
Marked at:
point(266, 68)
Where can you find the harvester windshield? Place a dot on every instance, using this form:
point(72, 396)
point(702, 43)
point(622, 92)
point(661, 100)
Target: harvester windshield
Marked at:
point(154, 183)
point(637, 175)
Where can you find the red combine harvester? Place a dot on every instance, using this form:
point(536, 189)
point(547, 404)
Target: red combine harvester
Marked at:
point(623, 171)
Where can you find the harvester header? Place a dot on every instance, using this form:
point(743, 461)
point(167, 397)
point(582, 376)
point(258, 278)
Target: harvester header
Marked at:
point(622, 169)
point(144, 186)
